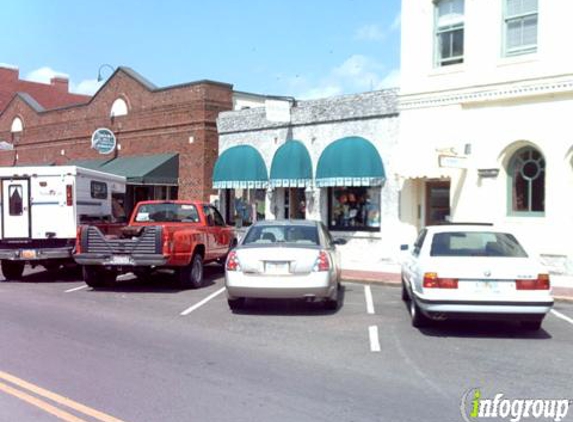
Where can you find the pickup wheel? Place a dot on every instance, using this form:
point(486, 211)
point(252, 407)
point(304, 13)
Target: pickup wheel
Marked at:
point(97, 277)
point(191, 276)
point(12, 270)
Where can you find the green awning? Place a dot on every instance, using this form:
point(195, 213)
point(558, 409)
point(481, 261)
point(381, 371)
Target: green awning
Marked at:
point(161, 169)
point(291, 166)
point(351, 161)
point(240, 166)
point(89, 164)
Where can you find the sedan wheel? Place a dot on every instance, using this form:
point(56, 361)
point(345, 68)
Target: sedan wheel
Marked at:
point(236, 303)
point(532, 325)
point(332, 303)
point(418, 318)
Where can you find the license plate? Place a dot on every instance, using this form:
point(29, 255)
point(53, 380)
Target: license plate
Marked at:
point(487, 286)
point(120, 260)
point(29, 254)
point(276, 268)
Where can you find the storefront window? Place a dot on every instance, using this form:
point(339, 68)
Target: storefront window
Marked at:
point(245, 206)
point(354, 208)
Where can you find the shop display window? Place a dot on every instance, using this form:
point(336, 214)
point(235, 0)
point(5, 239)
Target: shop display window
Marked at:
point(354, 208)
point(245, 206)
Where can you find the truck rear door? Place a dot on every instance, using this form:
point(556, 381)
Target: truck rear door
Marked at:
point(16, 208)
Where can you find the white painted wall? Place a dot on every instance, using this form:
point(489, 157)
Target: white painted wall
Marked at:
point(484, 63)
point(496, 104)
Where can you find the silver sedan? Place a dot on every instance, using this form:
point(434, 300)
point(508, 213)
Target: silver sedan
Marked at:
point(287, 260)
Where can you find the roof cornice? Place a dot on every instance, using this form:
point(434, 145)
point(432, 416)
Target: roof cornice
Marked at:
point(489, 93)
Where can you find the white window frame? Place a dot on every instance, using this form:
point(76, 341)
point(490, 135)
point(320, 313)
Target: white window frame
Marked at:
point(450, 26)
point(519, 17)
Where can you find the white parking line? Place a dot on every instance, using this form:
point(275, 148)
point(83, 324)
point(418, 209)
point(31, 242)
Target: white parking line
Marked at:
point(561, 316)
point(204, 301)
point(369, 301)
point(374, 340)
point(75, 289)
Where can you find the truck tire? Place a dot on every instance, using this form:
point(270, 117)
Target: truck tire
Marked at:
point(191, 276)
point(97, 277)
point(12, 270)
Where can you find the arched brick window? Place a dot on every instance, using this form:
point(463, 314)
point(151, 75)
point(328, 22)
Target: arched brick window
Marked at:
point(119, 108)
point(17, 125)
point(526, 173)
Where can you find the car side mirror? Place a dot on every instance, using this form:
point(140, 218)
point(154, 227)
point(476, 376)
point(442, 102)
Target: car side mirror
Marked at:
point(340, 241)
point(404, 247)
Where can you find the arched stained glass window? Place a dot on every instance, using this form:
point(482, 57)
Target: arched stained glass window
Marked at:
point(526, 173)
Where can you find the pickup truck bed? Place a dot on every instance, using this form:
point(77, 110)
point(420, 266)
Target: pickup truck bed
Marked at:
point(177, 235)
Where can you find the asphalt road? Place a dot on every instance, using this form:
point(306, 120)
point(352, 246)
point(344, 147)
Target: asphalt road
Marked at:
point(129, 353)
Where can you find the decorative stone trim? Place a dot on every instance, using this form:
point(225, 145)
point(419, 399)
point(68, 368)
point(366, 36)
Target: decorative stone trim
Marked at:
point(485, 93)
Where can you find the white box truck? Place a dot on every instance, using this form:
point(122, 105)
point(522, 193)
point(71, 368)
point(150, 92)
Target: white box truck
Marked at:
point(41, 208)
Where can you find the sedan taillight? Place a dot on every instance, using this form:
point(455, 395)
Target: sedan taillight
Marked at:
point(233, 263)
point(540, 283)
point(432, 281)
point(322, 263)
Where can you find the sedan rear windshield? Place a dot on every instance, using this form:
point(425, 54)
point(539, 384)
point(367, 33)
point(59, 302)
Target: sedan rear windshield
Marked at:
point(476, 244)
point(167, 212)
point(300, 235)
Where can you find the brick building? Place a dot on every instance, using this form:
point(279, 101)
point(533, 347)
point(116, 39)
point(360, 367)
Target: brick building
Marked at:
point(166, 138)
point(53, 95)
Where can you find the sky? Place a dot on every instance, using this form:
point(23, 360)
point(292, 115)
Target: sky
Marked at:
point(302, 48)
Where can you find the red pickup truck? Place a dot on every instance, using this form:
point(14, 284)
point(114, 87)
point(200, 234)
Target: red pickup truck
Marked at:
point(178, 235)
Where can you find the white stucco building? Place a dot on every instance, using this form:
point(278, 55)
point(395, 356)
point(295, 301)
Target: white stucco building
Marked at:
point(328, 160)
point(487, 89)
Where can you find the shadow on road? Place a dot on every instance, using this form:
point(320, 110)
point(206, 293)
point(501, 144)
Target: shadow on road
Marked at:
point(67, 274)
point(288, 307)
point(159, 282)
point(468, 328)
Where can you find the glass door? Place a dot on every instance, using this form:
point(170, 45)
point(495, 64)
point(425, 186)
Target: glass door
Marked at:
point(437, 202)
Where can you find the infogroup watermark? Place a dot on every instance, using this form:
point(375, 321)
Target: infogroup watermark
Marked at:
point(474, 407)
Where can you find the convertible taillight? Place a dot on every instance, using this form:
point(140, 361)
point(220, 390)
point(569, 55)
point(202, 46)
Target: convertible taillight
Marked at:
point(540, 283)
point(432, 281)
point(233, 263)
point(322, 262)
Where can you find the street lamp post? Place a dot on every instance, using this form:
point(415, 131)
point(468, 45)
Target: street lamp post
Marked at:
point(99, 77)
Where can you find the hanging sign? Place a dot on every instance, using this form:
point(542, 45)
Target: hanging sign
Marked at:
point(103, 141)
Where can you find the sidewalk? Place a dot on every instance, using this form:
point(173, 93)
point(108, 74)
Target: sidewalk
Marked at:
point(562, 285)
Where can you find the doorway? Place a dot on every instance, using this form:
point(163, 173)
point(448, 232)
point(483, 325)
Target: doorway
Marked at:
point(295, 203)
point(437, 202)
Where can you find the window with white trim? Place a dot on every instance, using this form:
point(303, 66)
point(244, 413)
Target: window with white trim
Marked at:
point(449, 32)
point(526, 176)
point(520, 22)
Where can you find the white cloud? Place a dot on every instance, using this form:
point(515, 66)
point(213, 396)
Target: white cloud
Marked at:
point(86, 87)
point(44, 75)
point(356, 74)
point(396, 23)
point(391, 80)
point(370, 33)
